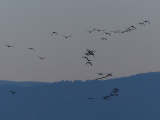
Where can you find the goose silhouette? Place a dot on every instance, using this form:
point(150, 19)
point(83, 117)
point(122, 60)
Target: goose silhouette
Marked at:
point(118, 31)
point(133, 27)
point(31, 49)
point(128, 30)
point(41, 57)
point(89, 63)
point(90, 52)
point(98, 78)
point(86, 58)
point(104, 77)
point(109, 74)
point(90, 31)
point(114, 95)
point(100, 73)
point(107, 33)
point(114, 92)
point(66, 36)
point(103, 38)
point(9, 45)
point(141, 23)
point(147, 22)
point(106, 98)
point(116, 89)
point(98, 30)
point(12, 92)
point(54, 33)
point(90, 98)
point(87, 54)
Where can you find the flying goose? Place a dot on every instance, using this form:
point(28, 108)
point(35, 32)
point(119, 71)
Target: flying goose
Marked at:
point(87, 54)
point(109, 74)
point(89, 63)
point(90, 52)
point(31, 49)
point(66, 36)
point(98, 78)
point(147, 22)
point(41, 57)
point(90, 98)
point(113, 94)
point(116, 89)
point(133, 27)
point(12, 92)
point(54, 33)
point(100, 73)
point(103, 38)
point(9, 45)
point(106, 97)
point(90, 31)
point(107, 33)
point(141, 23)
point(99, 30)
point(86, 58)
point(118, 31)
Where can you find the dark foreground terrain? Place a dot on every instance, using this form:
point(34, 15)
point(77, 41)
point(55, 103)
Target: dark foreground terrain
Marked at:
point(138, 98)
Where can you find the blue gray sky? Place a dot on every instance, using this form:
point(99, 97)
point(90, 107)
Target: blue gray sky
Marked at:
point(30, 23)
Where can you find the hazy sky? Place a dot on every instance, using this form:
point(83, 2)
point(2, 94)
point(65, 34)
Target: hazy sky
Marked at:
point(29, 23)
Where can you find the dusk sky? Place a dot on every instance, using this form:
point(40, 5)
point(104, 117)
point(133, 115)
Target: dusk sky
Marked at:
point(29, 24)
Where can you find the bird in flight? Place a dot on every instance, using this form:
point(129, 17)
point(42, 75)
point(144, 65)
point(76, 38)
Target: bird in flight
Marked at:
point(116, 89)
point(100, 73)
point(147, 22)
point(128, 30)
point(118, 31)
point(31, 49)
point(141, 23)
point(9, 45)
point(90, 52)
point(66, 36)
point(133, 27)
point(98, 30)
point(106, 97)
point(104, 77)
point(86, 58)
point(86, 54)
point(103, 38)
point(90, 31)
point(12, 92)
point(90, 98)
point(107, 33)
point(98, 78)
point(41, 57)
point(109, 74)
point(89, 63)
point(113, 94)
point(54, 33)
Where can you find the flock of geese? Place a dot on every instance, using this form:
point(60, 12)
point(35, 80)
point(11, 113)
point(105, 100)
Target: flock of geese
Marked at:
point(103, 76)
point(30, 48)
point(113, 93)
point(90, 52)
point(108, 97)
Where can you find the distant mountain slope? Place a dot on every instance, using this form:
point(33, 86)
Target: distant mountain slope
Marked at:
point(21, 84)
point(138, 99)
